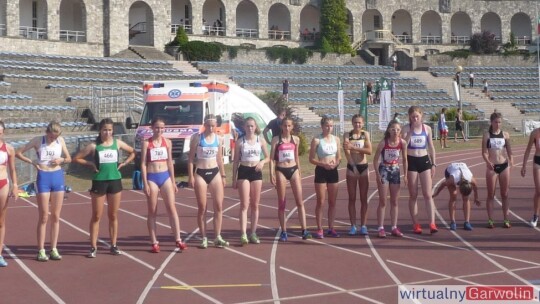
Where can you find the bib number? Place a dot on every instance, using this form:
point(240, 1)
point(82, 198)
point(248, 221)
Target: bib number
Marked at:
point(108, 156)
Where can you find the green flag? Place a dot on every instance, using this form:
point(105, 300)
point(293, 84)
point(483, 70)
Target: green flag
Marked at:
point(363, 102)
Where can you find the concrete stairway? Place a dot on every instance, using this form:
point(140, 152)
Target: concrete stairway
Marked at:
point(511, 114)
point(149, 53)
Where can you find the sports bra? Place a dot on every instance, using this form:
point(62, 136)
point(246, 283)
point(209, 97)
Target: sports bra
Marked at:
point(357, 142)
point(46, 153)
point(207, 150)
point(496, 141)
point(250, 152)
point(157, 154)
point(285, 151)
point(418, 141)
point(326, 149)
point(389, 154)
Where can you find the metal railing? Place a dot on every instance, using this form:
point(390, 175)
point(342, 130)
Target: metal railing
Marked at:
point(524, 40)
point(247, 33)
point(279, 35)
point(30, 32)
point(72, 36)
point(116, 103)
point(404, 38)
point(187, 28)
point(460, 39)
point(214, 30)
point(431, 39)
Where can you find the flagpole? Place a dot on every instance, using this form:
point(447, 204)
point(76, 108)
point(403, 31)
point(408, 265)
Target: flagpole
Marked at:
point(538, 44)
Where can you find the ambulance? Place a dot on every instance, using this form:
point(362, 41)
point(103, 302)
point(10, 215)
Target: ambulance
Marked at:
point(183, 104)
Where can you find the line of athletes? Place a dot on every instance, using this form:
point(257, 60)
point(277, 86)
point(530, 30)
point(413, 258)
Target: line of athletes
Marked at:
point(413, 145)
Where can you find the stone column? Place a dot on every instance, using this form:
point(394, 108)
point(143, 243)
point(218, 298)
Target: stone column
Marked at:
point(12, 18)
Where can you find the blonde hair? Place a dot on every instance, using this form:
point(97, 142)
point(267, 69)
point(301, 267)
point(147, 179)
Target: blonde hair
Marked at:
point(54, 127)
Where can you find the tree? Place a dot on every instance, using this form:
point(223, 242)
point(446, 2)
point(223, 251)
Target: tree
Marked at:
point(334, 26)
point(484, 43)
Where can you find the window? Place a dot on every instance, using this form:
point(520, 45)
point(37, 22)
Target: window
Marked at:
point(377, 22)
point(34, 14)
point(186, 12)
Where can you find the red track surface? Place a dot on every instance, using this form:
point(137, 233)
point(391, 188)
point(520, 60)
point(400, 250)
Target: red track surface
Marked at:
point(333, 270)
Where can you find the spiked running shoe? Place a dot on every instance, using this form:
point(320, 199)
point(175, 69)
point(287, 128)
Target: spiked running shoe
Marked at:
point(3, 262)
point(155, 248)
point(306, 235)
point(244, 240)
point(115, 251)
point(41, 256)
point(352, 231)
point(204, 243)
point(283, 237)
point(534, 221)
point(417, 228)
point(219, 242)
point(363, 230)
point(490, 224)
point(506, 224)
point(433, 228)
point(254, 239)
point(319, 234)
point(332, 233)
point(181, 245)
point(92, 253)
point(467, 226)
point(453, 226)
point(54, 255)
point(381, 233)
point(396, 232)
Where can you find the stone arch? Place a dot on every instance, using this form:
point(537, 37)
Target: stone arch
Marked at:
point(520, 25)
point(247, 19)
point(73, 20)
point(214, 17)
point(491, 22)
point(141, 24)
point(372, 20)
point(460, 28)
point(33, 21)
point(181, 15)
point(431, 28)
point(402, 25)
point(310, 17)
point(279, 22)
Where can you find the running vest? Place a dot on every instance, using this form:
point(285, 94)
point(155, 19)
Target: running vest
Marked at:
point(46, 153)
point(3, 155)
point(390, 155)
point(459, 169)
point(357, 142)
point(106, 159)
point(325, 149)
point(250, 152)
point(157, 154)
point(418, 141)
point(206, 150)
point(496, 141)
point(285, 151)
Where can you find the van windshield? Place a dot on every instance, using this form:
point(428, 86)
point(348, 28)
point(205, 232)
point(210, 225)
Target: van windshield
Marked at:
point(174, 113)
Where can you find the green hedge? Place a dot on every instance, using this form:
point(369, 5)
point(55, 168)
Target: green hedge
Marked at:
point(286, 55)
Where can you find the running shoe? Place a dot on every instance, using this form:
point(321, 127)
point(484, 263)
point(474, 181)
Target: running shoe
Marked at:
point(41, 256)
point(155, 248)
point(453, 226)
point(219, 242)
point(306, 235)
point(417, 228)
point(506, 224)
point(534, 221)
point(181, 245)
point(54, 255)
point(363, 230)
point(382, 233)
point(204, 243)
point(254, 239)
point(92, 253)
point(352, 231)
point(490, 224)
point(332, 233)
point(467, 226)
point(244, 240)
point(3, 262)
point(283, 236)
point(319, 234)
point(433, 228)
point(396, 232)
point(115, 251)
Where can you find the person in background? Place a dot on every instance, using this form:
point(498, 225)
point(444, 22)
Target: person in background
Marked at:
point(534, 140)
point(157, 170)
point(443, 129)
point(471, 79)
point(8, 187)
point(459, 126)
point(286, 89)
point(325, 154)
point(274, 125)
point(107, 181)
point(52, 153)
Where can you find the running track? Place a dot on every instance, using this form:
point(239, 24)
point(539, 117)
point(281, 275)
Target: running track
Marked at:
point(333, 270)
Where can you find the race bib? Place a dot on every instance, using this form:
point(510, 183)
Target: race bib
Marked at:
point(285, 155)
point(159, 153)
point(108, 156)
point(497, 143)
point(330, 149)
point(418, 141)
point(208, 152)
point(391, 155)
point(3, 157)
point(251, 155)
point(47, 154)
point(358, 143)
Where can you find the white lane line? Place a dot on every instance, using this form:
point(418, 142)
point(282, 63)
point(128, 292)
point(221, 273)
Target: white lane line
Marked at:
point(444, 276)
point(195, 290)
point(513, 259)
point(34, 277)
point(330, 285)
